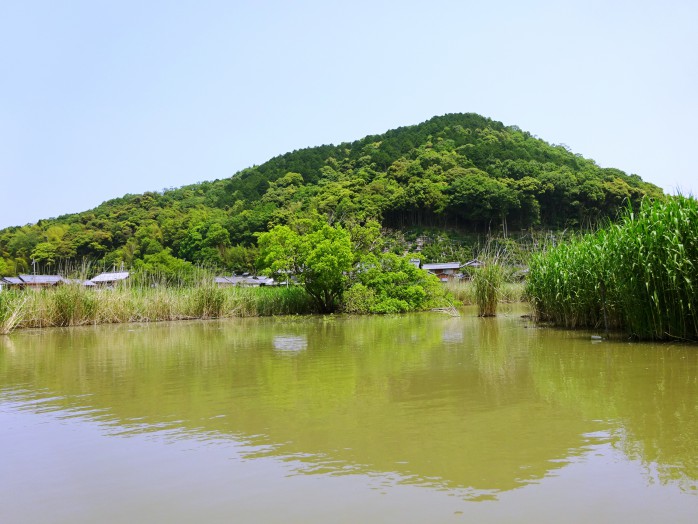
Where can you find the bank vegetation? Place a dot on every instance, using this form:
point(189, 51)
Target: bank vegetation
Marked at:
point(638, 275)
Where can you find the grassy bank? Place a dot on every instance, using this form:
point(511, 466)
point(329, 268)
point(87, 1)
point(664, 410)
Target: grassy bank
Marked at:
point(638, 275)
point(74, 305)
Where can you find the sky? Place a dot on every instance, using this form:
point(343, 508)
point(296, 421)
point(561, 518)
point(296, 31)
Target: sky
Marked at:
point(100, 98)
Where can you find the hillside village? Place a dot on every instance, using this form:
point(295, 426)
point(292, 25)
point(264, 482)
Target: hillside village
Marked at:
point(444, 271)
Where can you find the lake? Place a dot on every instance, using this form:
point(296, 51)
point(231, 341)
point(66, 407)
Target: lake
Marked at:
point(411, 418)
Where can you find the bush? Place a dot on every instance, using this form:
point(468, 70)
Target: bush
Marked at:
point(359, 299)
point(391, 284)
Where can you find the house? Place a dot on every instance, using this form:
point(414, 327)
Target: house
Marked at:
point(10, 282)
point(244, 281)
point(444, 270)
point(79, 282)
point(109, 279)
point(474, 263)
point(468, 269)
point(33, 281)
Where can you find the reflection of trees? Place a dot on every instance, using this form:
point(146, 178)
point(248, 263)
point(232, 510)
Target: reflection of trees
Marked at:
point(457, 402)
point(362, 394)
point(650, 392)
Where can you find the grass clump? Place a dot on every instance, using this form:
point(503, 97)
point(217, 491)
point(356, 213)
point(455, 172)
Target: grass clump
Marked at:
point(70, 305)
point(208, 301)
point(12, 308)
point(487, 282)
point(638, 275)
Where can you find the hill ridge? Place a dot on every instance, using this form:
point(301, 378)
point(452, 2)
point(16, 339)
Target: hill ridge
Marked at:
point(458, 170)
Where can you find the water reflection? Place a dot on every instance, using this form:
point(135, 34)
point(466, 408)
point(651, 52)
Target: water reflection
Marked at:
point(290, 343)
point(480, 406)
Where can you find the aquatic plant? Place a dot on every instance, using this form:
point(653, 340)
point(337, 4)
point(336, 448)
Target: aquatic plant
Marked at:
point(488, 281)
point(70, 305)
point(638, 275)
point(207, 301)
point(11, 310)
point(463, 291)
point(74, 305)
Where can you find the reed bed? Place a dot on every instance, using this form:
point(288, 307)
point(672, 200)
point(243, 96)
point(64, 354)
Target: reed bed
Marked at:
point(638, 275)
point(75, 305)
point(12, 309)
point(464, 291)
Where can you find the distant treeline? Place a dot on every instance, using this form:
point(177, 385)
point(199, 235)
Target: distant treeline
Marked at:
point(458, 171)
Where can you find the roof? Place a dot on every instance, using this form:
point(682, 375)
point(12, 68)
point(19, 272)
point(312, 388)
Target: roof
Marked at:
point(77, 281)
point(442, 265)
point(474, 263)
point(42, 280)
point(245, 281)
point(48, 280)
point(110, 277)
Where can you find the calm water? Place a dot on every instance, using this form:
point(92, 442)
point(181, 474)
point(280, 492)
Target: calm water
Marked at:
point(416, 418)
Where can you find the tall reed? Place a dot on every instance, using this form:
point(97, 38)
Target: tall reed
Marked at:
point(12, 308)
point(74, 305)
point(638, 275)
point(488, 282)
point(463, 291)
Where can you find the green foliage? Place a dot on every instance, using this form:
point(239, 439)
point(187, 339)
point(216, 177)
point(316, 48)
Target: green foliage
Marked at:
point(638, 275)
point(359, 299)
point(388, 283)
point(316, 254)
point(208, 301)
point(457, 171)
point(71, 305)
point(163, 268)
point(7, 268)
point(44, 252)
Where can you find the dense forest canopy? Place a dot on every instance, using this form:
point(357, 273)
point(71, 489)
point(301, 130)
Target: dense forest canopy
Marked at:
point(458, 171)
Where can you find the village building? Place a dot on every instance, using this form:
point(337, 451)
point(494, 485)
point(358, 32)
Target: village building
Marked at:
point(33, 281)
point(244, 281)
point(443, 270)
point(109, 279)
point(474, 263)
point(416, 262)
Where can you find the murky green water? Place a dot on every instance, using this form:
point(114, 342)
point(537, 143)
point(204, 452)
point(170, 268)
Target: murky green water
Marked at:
point(416, 418)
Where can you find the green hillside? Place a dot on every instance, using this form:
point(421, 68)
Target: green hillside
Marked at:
point(459, 172)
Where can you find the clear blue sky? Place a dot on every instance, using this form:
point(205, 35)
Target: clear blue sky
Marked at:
point(102, 98)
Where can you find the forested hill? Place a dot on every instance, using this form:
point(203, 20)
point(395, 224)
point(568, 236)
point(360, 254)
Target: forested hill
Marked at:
point(460, 171)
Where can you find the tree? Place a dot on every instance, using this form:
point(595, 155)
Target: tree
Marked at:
point(44, 252)
point(163, 266)
point(481, 199)
point(318, 255)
